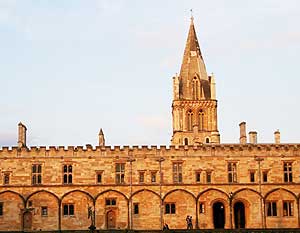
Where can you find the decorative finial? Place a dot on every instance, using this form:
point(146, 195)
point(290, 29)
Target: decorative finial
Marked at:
point(192, 17)
point(101, 132)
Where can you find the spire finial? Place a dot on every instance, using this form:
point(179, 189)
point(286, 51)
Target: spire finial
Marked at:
point(101, 132)
point(192, 17)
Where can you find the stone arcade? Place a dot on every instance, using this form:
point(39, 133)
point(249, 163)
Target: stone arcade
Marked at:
point(241, 185)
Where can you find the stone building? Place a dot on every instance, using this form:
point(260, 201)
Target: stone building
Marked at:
point(238, 185)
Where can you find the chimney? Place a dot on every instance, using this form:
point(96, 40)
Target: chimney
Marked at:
point(253, 137)
point(21, 135)
point(277, 136)
point(243, 137)
point(101, 138)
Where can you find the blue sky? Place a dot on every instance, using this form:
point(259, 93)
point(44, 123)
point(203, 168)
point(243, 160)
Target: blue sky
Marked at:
point(68, 68)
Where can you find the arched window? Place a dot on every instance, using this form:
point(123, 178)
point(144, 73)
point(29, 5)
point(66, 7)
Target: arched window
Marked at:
point(206, 140)
point(195, 88)
point(186, 141)
point(201, 120)
point(190, 120)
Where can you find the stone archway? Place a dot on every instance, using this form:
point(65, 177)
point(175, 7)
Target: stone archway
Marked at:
point(239, 215)
point(178, 203)
point(74, 210)
point(13, 206)
point(45, 208)
point(219, 215)
point(111, 203)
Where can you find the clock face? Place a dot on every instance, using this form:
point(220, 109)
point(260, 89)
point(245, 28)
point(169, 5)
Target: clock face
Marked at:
point(193, 53)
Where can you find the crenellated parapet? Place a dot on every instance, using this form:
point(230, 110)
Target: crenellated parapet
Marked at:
point(175, 150)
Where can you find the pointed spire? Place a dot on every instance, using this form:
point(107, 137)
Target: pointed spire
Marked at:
point(192, 40)
point(193, 65)
point(101, 132)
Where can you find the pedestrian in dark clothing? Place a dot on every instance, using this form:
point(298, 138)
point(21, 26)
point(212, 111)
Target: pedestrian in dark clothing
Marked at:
point(191, 222)
point(166, 227)
point(187, 219)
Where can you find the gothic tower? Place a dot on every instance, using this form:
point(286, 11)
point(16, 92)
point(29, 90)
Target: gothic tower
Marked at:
point(194, 106)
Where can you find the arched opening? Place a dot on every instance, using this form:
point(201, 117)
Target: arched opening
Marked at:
point(201, 120)
point(219, 215)
point(186, 141)
point(239, 215)
point(74, 208)
point(190, 120)
point(195, 89)
point(206, 140)
point(111, 219)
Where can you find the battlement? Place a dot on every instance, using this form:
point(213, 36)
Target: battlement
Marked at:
point(126, 150)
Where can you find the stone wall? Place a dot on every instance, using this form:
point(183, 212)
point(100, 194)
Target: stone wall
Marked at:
point(20, 196)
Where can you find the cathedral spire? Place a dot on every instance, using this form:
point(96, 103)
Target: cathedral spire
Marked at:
point(194, 106)
point(193, 66)
point(192, 41)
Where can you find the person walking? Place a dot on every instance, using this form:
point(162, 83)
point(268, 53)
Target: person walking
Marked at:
point(191, 223)
point(166, 227)
point(187, 219)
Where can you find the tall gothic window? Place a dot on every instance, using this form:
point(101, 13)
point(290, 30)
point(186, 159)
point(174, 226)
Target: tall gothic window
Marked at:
point(195, 88)
point(177, 172)
point(190, 120)
point(232, 173)
point(120, 173)
point(36, 174)
point(67, 172)
point(201, 120)
point(287, 170)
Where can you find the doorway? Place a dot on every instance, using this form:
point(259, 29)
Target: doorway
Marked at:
point(111, 219)
point(219, 215)
point(239, 215)
point(27, 221)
